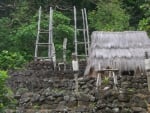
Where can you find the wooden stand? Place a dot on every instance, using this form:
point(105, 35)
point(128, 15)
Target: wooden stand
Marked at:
point(148, 79)
point(112, 72)
point(147, 68)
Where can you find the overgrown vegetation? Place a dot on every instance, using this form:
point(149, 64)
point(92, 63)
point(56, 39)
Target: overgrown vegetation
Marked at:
point(109, 16)
point(11, 60)
point(19, 21)
point(6, 95)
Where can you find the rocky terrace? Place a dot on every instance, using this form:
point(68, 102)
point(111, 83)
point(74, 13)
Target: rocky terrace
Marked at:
point(40, 89)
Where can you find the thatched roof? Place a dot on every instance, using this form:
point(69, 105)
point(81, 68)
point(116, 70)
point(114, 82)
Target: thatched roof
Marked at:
point(123, 50)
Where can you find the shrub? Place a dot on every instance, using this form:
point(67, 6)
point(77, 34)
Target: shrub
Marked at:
point(6, 95)
point(9, 60)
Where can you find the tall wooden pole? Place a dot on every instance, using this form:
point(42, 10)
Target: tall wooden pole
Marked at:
point(50, 40)
point(147, 68)
point(87, 29)
point(75, 30)
point(64, 52)
point(84, 34)
point(38, 33)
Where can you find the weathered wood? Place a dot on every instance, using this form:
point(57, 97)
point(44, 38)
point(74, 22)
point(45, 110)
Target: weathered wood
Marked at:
point(87, 30)
point(64, 52)
point(147, 68)
point(53, 56)
point(76, 83)
point(75, 31)
point(75, 67)
point(38, 34)
point(84, 35)
point(148, 80)
point(84, 30)
point(147, 64)
point(99, 79)
point(112, 73)
point(82, 55)
point(49, 44)
point(50, 39)
point(115, 80)
point(65, 43)
point(103, 70)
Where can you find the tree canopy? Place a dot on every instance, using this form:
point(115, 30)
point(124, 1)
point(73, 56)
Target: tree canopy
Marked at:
point(109, 16)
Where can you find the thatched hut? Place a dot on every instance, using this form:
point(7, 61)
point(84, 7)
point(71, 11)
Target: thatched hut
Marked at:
point(122, 50)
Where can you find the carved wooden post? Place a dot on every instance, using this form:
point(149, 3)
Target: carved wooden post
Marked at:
point(147, 69)
point(75, 67)
point(115, 80)
point(64, 52)
point(99, 78)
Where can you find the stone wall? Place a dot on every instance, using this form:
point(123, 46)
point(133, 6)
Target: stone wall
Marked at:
point(39, 89)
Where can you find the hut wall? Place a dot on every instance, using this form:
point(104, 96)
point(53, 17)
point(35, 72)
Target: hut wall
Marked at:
point(122, 50)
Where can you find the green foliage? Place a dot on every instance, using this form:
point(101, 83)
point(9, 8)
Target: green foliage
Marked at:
point(144, 24)
point(9, 60)
point(18, 23)
point(133, 9)
point(36, 107)
point(22, 14)
point(62, 29)
point(25, 36)
point(109, 16)
point(5, 32)
point(6, 95)
point(106, 80)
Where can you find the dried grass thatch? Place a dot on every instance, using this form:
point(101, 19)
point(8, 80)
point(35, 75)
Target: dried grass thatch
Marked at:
point(122, 50)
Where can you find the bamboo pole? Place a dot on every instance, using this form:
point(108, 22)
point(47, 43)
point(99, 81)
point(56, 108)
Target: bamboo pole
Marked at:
point(64, 52)
point(84, 34)
point(87, 29)
point(50, 41)
point(75, 31)
point(38, 34)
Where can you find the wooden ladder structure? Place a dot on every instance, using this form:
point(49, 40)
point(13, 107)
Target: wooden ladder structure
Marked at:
point(51, 49)
point(85, 31)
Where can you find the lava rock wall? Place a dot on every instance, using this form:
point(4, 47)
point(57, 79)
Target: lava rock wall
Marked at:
point(41, 89)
